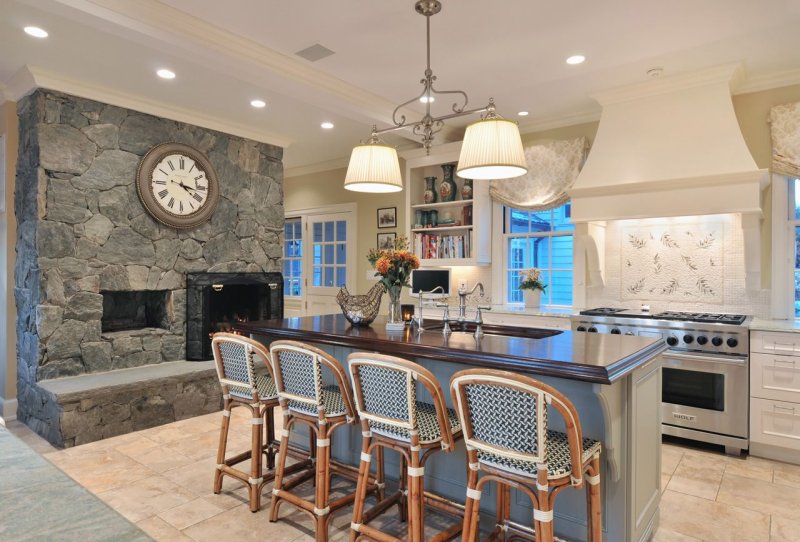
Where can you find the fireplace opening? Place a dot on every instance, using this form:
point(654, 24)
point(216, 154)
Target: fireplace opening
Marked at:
point(217, 301)
point(135, 310)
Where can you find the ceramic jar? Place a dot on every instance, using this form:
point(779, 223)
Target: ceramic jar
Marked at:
point(447, 188)
point(430, 191)
point(466, 190)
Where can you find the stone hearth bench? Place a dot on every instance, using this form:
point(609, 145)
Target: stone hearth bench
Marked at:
point(101, 405)
point(39, 502)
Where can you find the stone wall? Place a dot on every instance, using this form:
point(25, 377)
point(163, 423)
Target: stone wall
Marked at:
point(82, 229)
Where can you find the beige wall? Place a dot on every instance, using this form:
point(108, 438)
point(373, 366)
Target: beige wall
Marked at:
point(8, 232)
point(326, 188)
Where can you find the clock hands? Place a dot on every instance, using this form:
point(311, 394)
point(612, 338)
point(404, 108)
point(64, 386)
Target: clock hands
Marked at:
point(185, 187)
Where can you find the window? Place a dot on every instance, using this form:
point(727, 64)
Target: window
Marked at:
point(292, 257)
point(329, 246)
point(542, 240)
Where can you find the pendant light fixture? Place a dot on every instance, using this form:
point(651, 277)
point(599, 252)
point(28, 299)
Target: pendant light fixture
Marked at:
point(492, 147)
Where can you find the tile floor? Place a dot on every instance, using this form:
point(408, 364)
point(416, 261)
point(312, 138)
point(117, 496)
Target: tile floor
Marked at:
point(161, 479)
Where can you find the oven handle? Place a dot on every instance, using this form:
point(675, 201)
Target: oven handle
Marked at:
point(739, 361)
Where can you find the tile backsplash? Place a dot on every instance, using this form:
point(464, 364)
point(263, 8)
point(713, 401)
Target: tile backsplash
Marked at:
point(682, 263)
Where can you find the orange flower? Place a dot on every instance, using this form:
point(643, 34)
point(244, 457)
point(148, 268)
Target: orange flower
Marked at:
point(382, 265)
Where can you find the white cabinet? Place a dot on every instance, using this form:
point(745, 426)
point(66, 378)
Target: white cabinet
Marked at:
point(775, 395)
point(462, 234)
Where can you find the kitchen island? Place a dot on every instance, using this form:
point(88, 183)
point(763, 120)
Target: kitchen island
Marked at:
point(614, 382)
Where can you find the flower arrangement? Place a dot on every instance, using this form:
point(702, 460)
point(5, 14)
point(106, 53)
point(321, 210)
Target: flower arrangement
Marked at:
point(531, 279)
point(394, 265)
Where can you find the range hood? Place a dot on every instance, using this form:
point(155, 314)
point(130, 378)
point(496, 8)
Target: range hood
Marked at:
point(669, 147)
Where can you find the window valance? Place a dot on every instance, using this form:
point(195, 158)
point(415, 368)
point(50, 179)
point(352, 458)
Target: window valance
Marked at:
point(785, 127)
point(552, 170)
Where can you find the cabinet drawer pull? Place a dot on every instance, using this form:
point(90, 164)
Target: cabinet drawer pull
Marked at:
point(777, 408)
point(788, 363)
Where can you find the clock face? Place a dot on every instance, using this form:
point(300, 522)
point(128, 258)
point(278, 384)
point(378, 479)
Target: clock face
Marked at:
point(177, 185)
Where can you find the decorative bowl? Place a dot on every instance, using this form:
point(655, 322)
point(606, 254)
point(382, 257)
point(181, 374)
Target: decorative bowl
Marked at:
point(361, 310)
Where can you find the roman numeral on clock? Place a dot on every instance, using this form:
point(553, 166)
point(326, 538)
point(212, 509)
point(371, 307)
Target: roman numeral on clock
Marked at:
point(198, 177)
point(181, 163)
point(171, 166)
point(163, 193)
point(197, 196)
point(200, 187)
point(171, 203)
point(160, 181)
point(180, 206)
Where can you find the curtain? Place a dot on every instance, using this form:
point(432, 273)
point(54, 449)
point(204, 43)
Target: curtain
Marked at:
point(552, 169)
point(785, 127)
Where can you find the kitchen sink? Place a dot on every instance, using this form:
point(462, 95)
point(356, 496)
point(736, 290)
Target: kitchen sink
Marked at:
point(494, 329)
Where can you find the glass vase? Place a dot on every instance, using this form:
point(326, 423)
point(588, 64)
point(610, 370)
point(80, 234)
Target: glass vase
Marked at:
point(394, 317)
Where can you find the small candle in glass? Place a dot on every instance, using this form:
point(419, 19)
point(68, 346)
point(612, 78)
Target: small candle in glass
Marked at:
point(407, 313)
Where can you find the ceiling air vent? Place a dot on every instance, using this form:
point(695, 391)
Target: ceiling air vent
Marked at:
point(315, 52)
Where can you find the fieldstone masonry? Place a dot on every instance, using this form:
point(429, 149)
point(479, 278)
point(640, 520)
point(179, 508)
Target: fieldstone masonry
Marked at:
point(81, 229)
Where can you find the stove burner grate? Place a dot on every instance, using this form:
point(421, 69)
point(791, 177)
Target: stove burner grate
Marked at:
point(709, 317)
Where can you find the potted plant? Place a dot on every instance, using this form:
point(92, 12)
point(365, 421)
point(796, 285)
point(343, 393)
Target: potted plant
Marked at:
point(532, 287)
point(394, 266)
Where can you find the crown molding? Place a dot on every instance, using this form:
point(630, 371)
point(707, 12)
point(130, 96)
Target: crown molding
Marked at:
point(152, 18)
point(540, 124)
point(29, 78)
point(319, 167)
point(769, 81)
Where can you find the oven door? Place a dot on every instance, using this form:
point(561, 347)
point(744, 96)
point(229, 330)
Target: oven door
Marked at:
point(705, 392)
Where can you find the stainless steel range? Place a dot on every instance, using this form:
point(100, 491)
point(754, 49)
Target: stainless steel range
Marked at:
point(706, 369)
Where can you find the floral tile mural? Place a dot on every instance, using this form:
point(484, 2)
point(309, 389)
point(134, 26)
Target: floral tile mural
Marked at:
point(673, 262)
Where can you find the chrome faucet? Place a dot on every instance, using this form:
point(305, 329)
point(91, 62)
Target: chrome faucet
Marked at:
point(462, 300)
point(418, 320)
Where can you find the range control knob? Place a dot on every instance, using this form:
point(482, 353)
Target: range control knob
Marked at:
point(615, 331)
point(580, 328)
point(672, 341)
point(688, 339)
point(592, 329)
point(702, 339)
point(716, 341)
point(732, 342)
point(629, 333)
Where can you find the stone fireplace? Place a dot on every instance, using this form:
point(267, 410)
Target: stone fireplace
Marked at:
point(216, 301)
point(99, 285)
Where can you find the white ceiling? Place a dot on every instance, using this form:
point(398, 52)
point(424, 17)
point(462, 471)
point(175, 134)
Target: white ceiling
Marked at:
point(227, 53)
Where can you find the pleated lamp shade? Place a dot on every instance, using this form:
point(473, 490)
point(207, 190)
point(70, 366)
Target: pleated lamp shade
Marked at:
point(373, 168)
point(492, 149)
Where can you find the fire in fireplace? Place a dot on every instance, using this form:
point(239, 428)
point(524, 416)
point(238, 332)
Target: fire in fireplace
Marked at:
point(216, 301)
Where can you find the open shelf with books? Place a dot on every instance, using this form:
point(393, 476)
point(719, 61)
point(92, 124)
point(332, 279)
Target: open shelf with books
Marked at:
point(447, 224)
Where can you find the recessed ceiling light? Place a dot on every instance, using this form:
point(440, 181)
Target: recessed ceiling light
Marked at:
point(427, 99)
point(576, 59)
point(35, 31)
point(326, 125)
point(258, 103)
point(523, 113)
point(164, 73)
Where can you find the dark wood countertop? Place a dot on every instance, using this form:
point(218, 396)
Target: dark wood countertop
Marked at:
point(589, 357)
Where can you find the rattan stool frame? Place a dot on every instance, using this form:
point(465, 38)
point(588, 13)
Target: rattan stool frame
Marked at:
point(411, 497)
point(321, 428)
point(541, 489)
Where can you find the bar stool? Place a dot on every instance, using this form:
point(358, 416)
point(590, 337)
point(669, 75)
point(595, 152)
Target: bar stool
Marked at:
point(305, 398)
point(241, 386)
point(504, 416)
point(391, 417)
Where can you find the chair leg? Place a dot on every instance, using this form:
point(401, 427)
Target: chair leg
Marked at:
point(593, 517)
point(403, 502)
point(503, 507)
point(322, 512)
point(469, 531)
point(223, 444)
point(361, 486)
point(257, 441)
point(543, 516)
point(416, 499)
point(380, 474)
point(269, 438)
point(280, 467)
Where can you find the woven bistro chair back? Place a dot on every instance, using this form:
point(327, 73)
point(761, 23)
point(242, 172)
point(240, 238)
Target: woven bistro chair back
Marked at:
point(385, 391)
point(235, 357)
point(504, 418)
point(299, 378)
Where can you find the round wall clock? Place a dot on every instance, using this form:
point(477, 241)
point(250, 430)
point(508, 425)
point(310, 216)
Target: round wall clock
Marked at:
point(177, 185)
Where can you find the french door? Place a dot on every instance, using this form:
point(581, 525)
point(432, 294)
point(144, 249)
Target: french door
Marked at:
point(328, 259)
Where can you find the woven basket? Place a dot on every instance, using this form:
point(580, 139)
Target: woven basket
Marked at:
point(361, 310)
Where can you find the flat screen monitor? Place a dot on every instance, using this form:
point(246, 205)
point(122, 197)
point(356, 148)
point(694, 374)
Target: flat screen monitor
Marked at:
point(425, 280)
